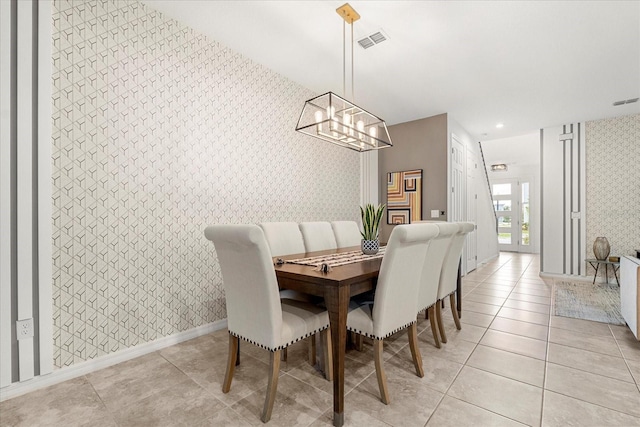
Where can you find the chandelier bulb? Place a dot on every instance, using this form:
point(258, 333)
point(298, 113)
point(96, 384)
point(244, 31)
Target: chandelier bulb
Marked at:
point(318, 116)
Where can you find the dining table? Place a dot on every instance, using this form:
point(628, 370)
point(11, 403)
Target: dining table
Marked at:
point(336, 286)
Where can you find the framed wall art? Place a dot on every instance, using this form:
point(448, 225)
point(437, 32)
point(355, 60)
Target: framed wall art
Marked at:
point(404, 197)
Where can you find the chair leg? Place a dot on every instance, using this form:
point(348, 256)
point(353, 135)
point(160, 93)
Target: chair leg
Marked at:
point(359, 342)
point(434, 328)
point(382, 377)
point(272, 387)
point(415, 351)
point(454, 311)
point(443, 335)
point(328, 354)
point(231, 363)
point(283, 355)
point(312, 350)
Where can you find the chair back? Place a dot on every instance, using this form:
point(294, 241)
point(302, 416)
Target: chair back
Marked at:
point(284, 238)
point(254, 312)
point(318, 236)
point(396, 295)
point(449, 274)
point(436, 253)
point(347, 233)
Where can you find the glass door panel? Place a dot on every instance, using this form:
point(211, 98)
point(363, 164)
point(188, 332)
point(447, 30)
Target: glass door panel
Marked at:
point(504, 204)
point(511, 203)
point(525, 220)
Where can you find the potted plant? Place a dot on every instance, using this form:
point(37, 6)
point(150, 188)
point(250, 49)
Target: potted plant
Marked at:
point(371, 217)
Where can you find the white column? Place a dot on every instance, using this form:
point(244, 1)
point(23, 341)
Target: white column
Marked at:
point(45, 273)
point(369, 178)
point(5, 193)
point(25, 181)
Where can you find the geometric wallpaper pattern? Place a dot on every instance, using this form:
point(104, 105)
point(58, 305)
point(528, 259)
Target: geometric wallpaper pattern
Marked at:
point(158, 132)
point(613, 182)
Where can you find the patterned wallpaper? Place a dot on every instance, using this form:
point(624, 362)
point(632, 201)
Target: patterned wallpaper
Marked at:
point(613, 179)
point(158, 132)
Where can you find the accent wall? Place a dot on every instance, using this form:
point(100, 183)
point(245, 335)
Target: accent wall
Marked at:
point(158, 132)
point(613, 183)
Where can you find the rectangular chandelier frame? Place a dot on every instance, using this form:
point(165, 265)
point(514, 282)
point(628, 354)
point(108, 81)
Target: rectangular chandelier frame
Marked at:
point(334, 119)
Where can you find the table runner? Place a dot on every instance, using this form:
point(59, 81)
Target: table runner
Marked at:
point(335, 260)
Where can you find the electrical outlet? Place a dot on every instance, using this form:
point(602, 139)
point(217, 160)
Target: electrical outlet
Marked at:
point(24, 328)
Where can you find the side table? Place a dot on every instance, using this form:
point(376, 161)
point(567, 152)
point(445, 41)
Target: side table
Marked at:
point(595, 263)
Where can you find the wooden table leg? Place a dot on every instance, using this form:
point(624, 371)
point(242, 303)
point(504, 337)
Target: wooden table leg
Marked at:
point(596, 273)
point(337, 301)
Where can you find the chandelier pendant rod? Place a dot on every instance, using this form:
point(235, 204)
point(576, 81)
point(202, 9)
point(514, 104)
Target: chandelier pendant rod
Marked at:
point(344, 59)
point(353, 98)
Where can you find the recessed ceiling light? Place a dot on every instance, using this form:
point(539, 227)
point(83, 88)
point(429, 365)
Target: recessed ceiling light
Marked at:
point(500, 125)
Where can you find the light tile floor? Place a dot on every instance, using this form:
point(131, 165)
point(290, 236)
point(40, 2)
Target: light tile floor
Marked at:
point(513, 363)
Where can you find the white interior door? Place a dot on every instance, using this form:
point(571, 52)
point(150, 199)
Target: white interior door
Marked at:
point(472, 200)
point(457, 180)
point(458, 194)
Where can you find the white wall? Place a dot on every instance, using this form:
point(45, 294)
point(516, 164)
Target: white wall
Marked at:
point(486, 236)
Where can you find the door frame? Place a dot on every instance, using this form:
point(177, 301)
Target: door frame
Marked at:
point(516, 213)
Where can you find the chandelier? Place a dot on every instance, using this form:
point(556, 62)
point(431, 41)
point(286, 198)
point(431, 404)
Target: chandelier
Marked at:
point(335, 119)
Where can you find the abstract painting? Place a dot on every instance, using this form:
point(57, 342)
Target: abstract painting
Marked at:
point(404, 197)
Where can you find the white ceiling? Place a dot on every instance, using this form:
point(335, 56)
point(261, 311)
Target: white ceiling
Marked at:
point(527, 64)
point(519, 151)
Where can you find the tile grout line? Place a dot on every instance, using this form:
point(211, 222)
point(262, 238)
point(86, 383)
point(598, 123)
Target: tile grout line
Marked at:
point(546, 356)
point(446, 393)
point(626, 362)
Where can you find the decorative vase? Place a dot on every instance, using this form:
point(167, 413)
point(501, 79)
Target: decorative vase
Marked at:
point(601, 248)
point(370, 247)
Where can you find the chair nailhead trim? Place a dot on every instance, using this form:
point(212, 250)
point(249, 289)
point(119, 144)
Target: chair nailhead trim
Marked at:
point(357, 331)
point(279, 347)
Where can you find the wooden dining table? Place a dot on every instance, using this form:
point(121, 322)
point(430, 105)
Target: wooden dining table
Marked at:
point(337, 287)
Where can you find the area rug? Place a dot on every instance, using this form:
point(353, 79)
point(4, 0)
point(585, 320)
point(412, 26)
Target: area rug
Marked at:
point(599, 302)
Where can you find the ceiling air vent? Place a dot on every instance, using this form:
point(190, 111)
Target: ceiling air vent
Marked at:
point(366, 43)
point(625, 101)
point(377, 37)
point(373, 39)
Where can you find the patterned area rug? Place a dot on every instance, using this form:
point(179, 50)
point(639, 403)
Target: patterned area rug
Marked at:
point(599, 302)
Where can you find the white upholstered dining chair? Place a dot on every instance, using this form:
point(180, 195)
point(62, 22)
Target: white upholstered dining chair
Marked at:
point(255, 311)
point(396, 296)
point(434, 259)
point(318, 236)
point(285, 238)
point(449, 276)
point(347, 233)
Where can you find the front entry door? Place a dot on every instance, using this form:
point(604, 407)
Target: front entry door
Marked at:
point(511, 201)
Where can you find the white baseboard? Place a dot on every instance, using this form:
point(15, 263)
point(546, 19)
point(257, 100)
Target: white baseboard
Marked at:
point(83, 368)
point(486, 261)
